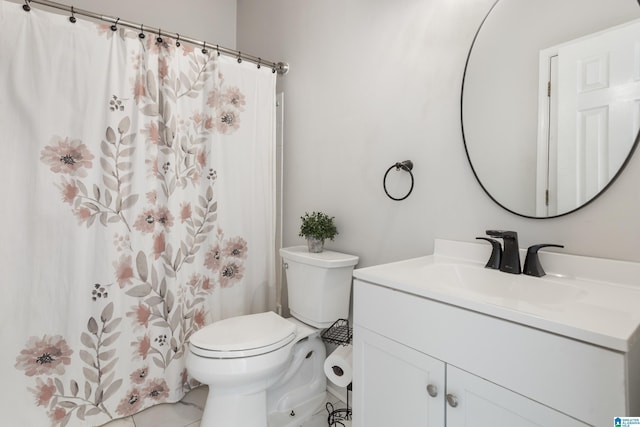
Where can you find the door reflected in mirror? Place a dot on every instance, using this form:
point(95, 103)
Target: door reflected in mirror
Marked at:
point(551, 101)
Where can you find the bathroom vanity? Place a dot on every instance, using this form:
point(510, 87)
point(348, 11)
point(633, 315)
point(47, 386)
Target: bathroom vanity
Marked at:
point(441, 340)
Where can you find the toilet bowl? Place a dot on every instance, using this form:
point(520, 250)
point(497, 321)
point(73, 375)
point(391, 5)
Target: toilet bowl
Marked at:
point(262, 369)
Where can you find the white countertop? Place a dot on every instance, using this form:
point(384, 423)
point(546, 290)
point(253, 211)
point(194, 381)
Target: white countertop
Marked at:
point(588, 299)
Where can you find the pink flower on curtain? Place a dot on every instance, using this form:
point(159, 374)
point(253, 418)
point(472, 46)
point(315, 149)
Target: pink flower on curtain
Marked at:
point(208, 124)
point(157, 389)
point(199, 318)
point(193, 282)
point(187, 49)
point(149, 217)
point(146, 221)
point(83, 214)
point(215, 99)
point(196, 118)
point(234, 97)
point(131, 403)
point(228, 122)
point(152, 132)
point(141, 346)
point(236, 248)
point(44, 391)
point(206, 285)
point(185, 211)
point(69, 190)
point(45, 356)
point(201, 158)
point(139, 375)
point(201, 282)
point(164, 217)
point(212, 258)
point(67, 156)
point(152, 167)
point(57, 414)
point(159, 245)
point(163, 68)
point(139, 89)
point(141, 314)
point(230, 273)
point(124, 270)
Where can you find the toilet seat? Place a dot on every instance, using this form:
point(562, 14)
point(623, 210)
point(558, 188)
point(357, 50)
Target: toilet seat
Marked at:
point(243, 336)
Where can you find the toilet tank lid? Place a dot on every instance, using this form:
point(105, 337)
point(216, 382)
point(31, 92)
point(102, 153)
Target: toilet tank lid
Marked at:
point(243, 332)
point(326, 259)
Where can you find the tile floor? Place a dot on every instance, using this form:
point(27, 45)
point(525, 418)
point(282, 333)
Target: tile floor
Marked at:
point(188, 411)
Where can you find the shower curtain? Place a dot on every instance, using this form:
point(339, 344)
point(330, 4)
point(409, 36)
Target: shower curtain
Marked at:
point(138, 205)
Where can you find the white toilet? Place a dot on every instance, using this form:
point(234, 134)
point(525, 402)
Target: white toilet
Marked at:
point(264, 370)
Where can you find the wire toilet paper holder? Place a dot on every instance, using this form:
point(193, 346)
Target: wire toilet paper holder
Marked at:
point(339, 333)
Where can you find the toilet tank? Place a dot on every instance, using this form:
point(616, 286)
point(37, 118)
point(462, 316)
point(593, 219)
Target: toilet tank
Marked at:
point(319, 284)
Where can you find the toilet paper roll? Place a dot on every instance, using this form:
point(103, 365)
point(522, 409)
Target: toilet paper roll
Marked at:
point(338, 366)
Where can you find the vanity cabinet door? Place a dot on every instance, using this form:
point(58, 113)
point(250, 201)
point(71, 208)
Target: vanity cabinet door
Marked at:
point(394, 385)
point(475, 402)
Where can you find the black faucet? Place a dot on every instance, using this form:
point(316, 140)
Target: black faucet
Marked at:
point(532, 266)
point(510, 262)
point(496, 253)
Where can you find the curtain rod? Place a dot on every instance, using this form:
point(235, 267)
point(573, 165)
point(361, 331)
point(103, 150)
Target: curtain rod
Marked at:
point(279, 67)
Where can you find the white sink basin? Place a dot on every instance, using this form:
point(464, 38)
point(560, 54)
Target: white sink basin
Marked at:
point(589, 299)
point(491, 285)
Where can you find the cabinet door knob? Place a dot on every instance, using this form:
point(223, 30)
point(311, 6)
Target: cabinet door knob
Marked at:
point(432, 390)
point(452, 400)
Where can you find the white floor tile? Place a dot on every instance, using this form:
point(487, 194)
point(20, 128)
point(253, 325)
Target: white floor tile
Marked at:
point(318, 420)
point(168, 415)
point(197, 397)
point(123, 422)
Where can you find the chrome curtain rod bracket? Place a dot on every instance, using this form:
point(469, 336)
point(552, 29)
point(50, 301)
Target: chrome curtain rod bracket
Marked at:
point(281, 68)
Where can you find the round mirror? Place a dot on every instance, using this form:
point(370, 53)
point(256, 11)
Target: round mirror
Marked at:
point(550, 101)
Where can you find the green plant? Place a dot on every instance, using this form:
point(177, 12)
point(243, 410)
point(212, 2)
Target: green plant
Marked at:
point(318, 225)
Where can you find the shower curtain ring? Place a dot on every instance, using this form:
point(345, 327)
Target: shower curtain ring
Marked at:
point(204, 47)
point(239, 57)
point(218, 49)
point(26, 7)
point(72, 18)
point(141, 35)
point(178, 40)
point(159, 38)
point(259, 61)
point(114, 27)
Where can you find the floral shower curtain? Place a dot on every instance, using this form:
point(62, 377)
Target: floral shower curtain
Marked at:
point(138, 205)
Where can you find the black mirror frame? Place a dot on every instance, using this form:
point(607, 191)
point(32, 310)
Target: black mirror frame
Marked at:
point(466, 150)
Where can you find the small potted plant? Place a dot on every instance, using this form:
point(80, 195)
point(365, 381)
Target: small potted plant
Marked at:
point(316, 227)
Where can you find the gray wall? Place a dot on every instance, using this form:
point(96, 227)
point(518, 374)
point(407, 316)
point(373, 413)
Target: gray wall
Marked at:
point(373, 82)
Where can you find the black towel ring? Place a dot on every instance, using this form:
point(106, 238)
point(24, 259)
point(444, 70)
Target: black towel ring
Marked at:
point(406, 165)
